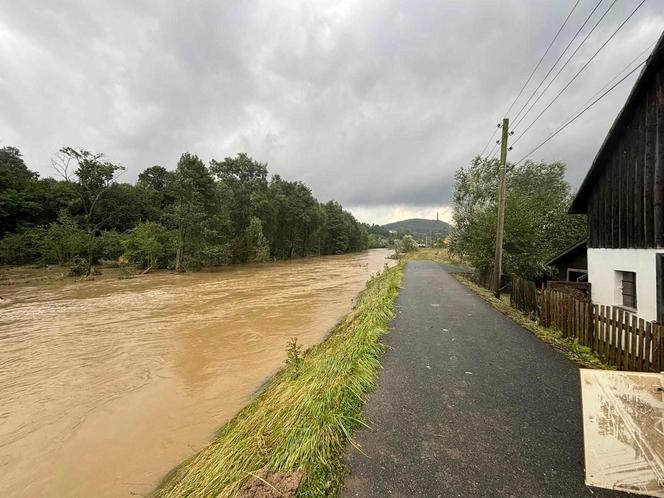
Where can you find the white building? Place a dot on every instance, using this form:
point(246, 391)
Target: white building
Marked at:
point(623, 197)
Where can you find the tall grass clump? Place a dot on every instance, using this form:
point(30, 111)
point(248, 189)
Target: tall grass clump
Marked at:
point(303, 420)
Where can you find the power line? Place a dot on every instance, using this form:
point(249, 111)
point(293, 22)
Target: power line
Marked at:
point(542, 58)
point(580, 113)
point(580, 71)
point(490, 139)
point(641, 54)
point(592, 12)
point(534, 70)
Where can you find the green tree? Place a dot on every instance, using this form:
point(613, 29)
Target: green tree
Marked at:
point(149, 245)
point(245, 182)
point(94, 177)
point(64, 240)
point(257, 244)
point(197, 215)
point(15, 179)
point(537, 224)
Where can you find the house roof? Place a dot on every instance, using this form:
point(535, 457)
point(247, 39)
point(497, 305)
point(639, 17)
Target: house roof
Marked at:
point(574, 247)
point(654, 63)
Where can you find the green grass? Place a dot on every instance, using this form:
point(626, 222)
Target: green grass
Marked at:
point(437, 255)
point(570, 347)
point(303, 419)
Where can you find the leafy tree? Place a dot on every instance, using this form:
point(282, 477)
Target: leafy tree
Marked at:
point(94, 177)
point(63, 241)
point(246, 184)
point(257, 244)
point(191, 217)
point(537, 224)
point(14, 180)
point(200, 224)
point(149, 245)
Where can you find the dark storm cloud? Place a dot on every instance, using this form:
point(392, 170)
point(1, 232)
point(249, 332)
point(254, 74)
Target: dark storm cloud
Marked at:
point(371, 103)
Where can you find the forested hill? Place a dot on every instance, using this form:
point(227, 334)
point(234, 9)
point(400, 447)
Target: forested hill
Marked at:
point(419, 226)
point(188, 217)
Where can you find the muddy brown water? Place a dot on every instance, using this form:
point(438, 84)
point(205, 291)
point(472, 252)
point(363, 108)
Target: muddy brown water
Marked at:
point(107, 385)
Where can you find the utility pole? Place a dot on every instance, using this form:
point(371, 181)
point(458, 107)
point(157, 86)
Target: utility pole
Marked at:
point(498, 265)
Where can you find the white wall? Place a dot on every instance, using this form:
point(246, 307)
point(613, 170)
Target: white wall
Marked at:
point(602, 267)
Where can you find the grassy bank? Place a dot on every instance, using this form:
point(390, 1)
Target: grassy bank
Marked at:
point(576, 352)
point(306, 414)
point(437, 255)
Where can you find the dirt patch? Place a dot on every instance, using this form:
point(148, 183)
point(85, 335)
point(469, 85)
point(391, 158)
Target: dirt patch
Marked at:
point(266, 484)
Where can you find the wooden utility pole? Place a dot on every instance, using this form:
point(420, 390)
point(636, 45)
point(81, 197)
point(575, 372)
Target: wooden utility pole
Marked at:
point(498, 265)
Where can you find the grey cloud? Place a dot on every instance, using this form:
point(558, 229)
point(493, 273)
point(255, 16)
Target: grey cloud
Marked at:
point(370, 103)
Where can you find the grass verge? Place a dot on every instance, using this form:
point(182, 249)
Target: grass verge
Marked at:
point(306, 414)
point(437, 255)
point(570, 347)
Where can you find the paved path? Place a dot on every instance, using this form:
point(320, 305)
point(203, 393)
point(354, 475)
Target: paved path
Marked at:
point(468, 404)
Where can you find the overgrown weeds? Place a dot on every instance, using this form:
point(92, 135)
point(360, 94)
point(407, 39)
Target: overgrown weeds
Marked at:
point(302, 421)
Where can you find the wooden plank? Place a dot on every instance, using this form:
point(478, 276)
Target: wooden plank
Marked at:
point(647, 347)
point(641, 360)
point(596, 324)
point(658, 216)
point(617, 333)
point(649, 170)
point(602, 332)
point(656, 347)
point(621, 339)
point(633, 329)
point(642, 364)
point(612, 341)
point(639, 166)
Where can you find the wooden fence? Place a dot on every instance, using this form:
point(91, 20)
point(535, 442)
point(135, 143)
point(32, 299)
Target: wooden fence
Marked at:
point(523, 295)
point(618, 336)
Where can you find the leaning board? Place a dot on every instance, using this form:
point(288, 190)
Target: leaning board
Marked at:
point(623, 430)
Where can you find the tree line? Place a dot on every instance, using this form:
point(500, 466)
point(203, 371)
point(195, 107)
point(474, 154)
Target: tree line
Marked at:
point(195, 216)
point(537, 223)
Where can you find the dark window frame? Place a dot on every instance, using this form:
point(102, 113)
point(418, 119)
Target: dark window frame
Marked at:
point(628, 289)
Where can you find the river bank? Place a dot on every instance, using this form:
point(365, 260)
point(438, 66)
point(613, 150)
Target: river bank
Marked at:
point(305, 416)
point(108, 384)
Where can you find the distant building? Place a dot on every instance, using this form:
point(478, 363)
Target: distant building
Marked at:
point(571, 265)
point(623, 197)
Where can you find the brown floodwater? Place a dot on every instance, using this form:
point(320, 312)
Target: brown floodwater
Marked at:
point(107, 385)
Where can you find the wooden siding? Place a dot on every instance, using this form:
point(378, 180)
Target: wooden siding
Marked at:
point(626, 203)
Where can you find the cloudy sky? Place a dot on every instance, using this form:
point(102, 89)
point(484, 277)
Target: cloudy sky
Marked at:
point(373, 103)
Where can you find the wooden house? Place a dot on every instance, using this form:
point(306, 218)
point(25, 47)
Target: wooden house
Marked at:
point(571, 265)
point(623, 198)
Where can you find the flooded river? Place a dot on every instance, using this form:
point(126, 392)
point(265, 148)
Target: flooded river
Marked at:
point(106, 385)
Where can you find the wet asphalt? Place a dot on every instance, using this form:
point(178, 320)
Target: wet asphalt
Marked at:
point(468, 404)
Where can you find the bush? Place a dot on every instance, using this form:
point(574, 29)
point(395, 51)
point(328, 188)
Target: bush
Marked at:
point(63, 241)
point(79, 267)
point(149, 244)
point(22, 248)
point(109, 245)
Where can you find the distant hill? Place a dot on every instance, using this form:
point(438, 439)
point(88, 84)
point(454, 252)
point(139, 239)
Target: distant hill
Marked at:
point(419, 226)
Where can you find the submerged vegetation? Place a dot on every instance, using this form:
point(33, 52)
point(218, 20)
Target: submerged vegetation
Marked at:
point(303, 419)
point(195, 215)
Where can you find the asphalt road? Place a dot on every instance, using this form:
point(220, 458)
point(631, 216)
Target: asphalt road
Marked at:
point(468, 404)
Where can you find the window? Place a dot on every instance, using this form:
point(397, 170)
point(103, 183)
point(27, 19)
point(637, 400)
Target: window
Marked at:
point(629, 289)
